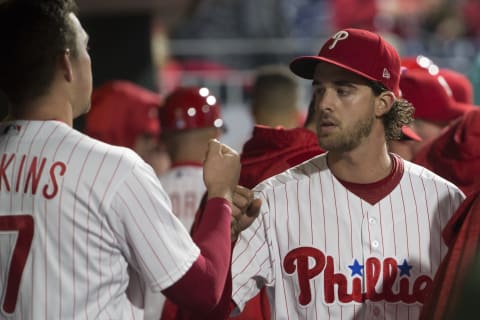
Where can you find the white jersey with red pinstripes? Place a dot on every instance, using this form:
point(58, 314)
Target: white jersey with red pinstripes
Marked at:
point(185, 187)
point(324, 253)
point(75, 213)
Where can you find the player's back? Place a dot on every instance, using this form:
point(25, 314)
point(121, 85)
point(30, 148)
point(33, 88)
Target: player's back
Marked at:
point(185, 187)
point(59, 256)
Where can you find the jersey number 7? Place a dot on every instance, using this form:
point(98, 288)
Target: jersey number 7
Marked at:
point(23, 224)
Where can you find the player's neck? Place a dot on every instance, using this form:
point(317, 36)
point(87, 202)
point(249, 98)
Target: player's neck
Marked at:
point(362, 165)
point(43, 109)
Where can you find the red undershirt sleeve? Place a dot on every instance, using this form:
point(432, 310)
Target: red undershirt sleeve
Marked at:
point(202, 286)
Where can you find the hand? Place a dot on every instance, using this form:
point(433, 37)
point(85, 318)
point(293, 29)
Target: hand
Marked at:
point(221, 170)
point(245, 210)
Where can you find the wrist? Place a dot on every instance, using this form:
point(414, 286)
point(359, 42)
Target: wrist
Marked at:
point(220, 192)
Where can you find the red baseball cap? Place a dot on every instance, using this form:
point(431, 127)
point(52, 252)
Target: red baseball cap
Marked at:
point(431, 96)
point(461, 86)
point(409, 134)
point(121, 111)
point(188, 108)
point(360, 51)
point(420, 62)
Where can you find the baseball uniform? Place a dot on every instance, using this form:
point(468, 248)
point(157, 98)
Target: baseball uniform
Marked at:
point(187, 109)
point(326, 248)
point(74, 214)
point(184, 184)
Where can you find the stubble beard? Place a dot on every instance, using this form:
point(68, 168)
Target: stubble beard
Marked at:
point(347, 140)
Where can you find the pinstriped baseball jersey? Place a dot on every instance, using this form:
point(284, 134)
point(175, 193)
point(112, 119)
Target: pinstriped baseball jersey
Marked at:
point(74, 214)
point(324, 253)
point(185, 187)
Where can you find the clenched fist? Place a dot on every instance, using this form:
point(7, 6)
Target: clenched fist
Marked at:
point(245, 210)
point(221, 170)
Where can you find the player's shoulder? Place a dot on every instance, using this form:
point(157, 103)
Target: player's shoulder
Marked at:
point(416, 171)
point(302, 171)
point(99, 148)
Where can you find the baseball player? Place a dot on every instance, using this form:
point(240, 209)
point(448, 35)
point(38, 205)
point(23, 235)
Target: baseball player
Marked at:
point(275, 95)
point(433, 97)
point(354, 233)
point(455, 154)
point(86, 226)
point(126, 114)
point(190, 117)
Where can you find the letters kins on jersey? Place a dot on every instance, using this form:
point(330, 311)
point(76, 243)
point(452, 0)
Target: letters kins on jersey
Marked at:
point(27, 174)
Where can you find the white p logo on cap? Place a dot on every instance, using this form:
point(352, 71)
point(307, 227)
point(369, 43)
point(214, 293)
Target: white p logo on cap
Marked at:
point(340, 35)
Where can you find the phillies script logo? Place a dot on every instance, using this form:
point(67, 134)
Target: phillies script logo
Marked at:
point(387, 272)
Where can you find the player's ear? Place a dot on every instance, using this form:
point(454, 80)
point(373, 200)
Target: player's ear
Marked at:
point(66, 65)
point(384, 103)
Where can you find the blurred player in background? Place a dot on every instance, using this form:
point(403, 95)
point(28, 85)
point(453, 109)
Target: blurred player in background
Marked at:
point(455, 153)
point(435, 107)
point(439, 95)
point(190, 117)
point(275, 98)
point(125, 114)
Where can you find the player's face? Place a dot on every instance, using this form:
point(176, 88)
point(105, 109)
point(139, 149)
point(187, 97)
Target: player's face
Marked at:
point(82, 70)
point(345, 108)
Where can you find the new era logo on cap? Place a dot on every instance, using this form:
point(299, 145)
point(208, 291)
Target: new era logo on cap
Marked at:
point(359, 51)
point(386, 74)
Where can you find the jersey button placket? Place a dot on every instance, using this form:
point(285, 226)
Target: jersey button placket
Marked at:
point(374, 230)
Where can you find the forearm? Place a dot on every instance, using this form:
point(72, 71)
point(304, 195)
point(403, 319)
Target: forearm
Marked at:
point(201, 288)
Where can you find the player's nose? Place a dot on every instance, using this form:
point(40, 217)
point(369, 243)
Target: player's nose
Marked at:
point(325, 101)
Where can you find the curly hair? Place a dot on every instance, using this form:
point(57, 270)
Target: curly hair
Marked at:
point(33, 34)
point(399, 115)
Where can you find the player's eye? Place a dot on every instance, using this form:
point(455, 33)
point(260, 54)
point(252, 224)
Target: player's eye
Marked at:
point(342, 91)
point(319, 91)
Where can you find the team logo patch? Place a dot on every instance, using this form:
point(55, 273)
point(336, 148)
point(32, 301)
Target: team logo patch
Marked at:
point(388, 279)
point(386, 73)
point(340, 35)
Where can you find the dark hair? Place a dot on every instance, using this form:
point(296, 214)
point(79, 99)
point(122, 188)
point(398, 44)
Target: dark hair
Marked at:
point(33, 33)
point(399, 115)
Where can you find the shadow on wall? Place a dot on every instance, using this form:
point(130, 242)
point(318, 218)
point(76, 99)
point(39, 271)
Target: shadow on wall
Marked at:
point(3, 106)
point(120, 50)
